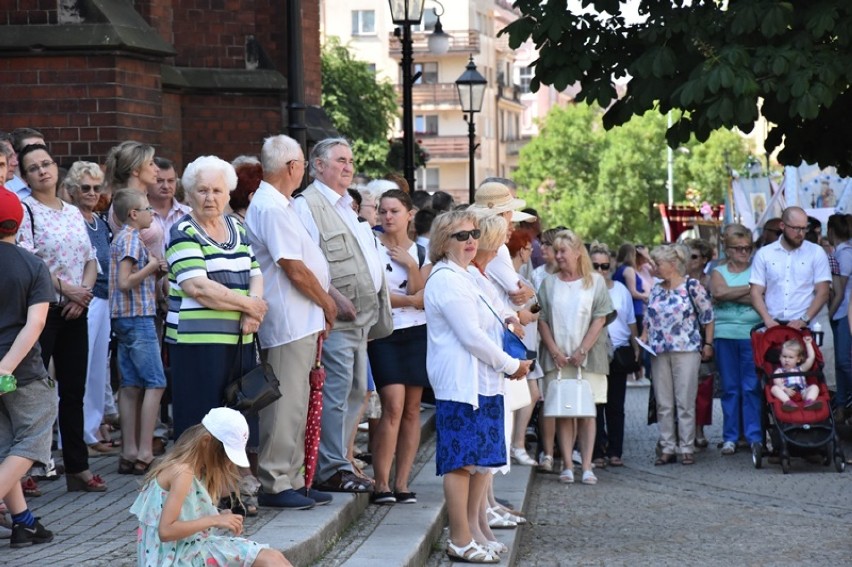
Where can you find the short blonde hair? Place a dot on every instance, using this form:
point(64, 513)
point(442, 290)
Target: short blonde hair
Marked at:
point(736, 231)
point(568, 239)
point(494, 229)
point(442, 228)
point(124, 201)
point(599, 248)
point(674, 253)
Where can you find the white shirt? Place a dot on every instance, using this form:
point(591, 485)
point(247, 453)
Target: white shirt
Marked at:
point(276, 232)
point(490, 381)
point(619, 331)
point(457, 340)
point(342, 204)
point(424, 242)
point(502, 272)
point(789, 277)
point(397, 278)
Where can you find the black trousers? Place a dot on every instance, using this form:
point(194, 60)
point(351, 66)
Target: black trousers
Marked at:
point(609, 440)
point(67, 342)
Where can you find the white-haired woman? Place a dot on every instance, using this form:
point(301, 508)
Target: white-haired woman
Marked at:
point(371, 194)
point(215, 295)
point(677, 307)
point(84, 184)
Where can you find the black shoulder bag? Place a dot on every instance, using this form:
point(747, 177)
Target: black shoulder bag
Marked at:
point(254, 390)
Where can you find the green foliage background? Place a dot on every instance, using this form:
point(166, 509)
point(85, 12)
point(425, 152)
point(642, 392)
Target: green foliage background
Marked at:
point(604, 184)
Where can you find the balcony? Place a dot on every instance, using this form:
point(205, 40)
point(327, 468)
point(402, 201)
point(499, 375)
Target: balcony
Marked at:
point(513, 147)
point(464, 41)
point(446, 147)
point(433, 94)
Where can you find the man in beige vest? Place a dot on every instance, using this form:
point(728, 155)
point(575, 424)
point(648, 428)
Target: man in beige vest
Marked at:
point(356, 279)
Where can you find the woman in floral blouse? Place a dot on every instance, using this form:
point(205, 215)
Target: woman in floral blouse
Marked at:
point(677, 308)
point(56, 232)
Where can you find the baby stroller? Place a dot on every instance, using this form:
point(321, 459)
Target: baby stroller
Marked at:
point(802, 432)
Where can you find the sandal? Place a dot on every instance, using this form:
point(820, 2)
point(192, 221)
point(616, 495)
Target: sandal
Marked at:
point(600, 463)
point(508, 515)
point(687, 459)
point(125, 466)
point(496, 521)
point(30, 487)
point(344, 481)
point(567, 476)
point(471, 553)
point(616, 462)
point(665, 459)
point(140, 468)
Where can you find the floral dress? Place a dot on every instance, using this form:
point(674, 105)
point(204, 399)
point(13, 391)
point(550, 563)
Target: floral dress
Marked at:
point(209, 548)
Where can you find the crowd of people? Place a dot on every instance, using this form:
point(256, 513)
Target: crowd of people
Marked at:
point(137, 294)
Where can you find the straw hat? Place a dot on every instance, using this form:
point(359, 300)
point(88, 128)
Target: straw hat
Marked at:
point(495, 198)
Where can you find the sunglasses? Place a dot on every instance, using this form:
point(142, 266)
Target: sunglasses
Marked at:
point(740, 249)
point(604, 266)
point(88, 188)
point(695, 256)
point(464, 235)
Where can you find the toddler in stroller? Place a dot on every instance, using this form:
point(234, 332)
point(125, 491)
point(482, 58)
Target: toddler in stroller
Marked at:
point(794, 365)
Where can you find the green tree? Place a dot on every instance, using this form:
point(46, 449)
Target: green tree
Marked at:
point(605, 184)
point(361, 107)
point(720, 63)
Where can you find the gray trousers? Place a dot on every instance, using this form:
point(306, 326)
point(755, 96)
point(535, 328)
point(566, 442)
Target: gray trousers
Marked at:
point(344, 356)
point(675, 376)
point(282, 423)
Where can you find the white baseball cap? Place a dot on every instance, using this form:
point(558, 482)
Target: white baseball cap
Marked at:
point(231, 428)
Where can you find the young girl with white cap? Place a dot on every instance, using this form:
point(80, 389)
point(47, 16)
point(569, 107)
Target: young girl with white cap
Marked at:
point(179, 522)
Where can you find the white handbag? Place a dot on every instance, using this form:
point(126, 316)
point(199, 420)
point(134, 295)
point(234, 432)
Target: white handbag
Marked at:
point(569, 397)
point(516, 394)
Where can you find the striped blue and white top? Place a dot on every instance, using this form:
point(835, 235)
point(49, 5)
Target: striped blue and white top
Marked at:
point(191, 254)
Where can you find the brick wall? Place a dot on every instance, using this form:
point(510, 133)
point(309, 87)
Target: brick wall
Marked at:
point(212, 33)
point(29, 12)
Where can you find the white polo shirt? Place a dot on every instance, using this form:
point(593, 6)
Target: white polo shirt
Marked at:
point(276, 232)
point(789, 277)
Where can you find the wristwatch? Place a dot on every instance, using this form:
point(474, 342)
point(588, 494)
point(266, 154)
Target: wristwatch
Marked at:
point(805, 319)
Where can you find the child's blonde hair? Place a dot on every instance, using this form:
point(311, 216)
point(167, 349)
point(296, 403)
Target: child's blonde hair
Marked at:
point(124, 201)
point(205, 455)
point(794, 345)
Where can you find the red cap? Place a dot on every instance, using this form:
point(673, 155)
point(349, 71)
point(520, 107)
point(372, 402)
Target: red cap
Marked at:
point(10, 210)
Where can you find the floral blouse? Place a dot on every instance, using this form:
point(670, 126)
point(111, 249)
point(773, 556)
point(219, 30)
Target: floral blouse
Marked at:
point(59, 237)
point(671, 317)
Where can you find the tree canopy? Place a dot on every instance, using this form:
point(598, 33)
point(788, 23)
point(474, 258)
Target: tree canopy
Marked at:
point(604, 184)
point(361, 107)
point(721, 63)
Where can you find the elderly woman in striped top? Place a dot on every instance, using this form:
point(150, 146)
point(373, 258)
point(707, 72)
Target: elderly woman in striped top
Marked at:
point(215, 295)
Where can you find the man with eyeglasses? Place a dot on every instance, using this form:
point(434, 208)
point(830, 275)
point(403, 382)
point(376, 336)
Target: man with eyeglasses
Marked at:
point(790, 278)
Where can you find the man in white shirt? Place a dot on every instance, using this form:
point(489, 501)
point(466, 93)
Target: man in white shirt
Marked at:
point(790, 278)
point(356, 280)
point(296, 280)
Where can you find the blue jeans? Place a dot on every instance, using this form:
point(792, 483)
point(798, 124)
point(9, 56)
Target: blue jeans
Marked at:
point(741, 391)
point(139, 353)
point(842, 361)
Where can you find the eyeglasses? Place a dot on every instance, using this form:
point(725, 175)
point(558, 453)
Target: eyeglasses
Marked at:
point(88, 188)
point(148, 209)
point(36, 167)
point(740, 249)
point(796, 228)
point(604, 266)
point(464, 235)
point(303, 162)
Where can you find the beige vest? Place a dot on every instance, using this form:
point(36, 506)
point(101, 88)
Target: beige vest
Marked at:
point(350, 274)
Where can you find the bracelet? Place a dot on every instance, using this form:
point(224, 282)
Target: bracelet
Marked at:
point(710, 345)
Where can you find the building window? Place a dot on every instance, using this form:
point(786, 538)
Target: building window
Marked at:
point(363, 22)
point(426, 124)
point(525, 75)
point(429, 73)
point(427, 178)
point(372, 67)
point(427, 22)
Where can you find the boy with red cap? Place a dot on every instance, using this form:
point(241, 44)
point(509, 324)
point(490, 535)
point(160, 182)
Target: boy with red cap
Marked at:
point(28, 408)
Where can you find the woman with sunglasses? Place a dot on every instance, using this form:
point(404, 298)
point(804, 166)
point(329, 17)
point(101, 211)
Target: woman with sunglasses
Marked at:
point(84, 184)
point(700, 255)
point(735, 317)
point(463, 336)
point(56, 232)
point(575, 308)
point(609, 441)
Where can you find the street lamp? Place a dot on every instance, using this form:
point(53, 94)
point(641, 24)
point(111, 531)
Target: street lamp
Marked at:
point(471, 86)
point(406, 13)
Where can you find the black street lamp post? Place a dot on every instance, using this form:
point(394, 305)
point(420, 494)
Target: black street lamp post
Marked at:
point(471, 86)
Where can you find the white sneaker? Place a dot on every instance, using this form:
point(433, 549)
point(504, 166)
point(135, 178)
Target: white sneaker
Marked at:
point(546, 463)
point(729, 448)
point(566, 476)
point(576, 457)
point(521, 457)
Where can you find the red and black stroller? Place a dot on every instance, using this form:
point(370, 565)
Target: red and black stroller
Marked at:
point(802, 432)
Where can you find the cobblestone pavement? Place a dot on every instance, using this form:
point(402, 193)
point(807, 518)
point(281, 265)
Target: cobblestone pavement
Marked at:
point(720, 511)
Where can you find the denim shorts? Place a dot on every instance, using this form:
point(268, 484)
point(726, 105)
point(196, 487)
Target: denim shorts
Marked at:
point(139, 357)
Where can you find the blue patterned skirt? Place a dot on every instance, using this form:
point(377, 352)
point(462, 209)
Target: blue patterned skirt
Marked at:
point(465, 436)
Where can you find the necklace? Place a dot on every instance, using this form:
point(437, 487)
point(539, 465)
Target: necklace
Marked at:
point(94, 224)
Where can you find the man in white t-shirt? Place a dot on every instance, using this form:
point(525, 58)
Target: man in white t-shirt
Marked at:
point(296, 280)
point(790, 278)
